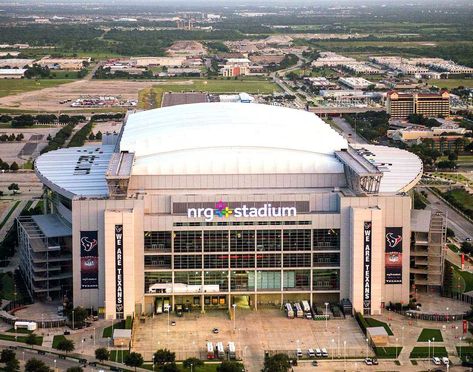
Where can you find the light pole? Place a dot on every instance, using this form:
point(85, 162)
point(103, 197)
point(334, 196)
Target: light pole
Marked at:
point(24, 354)
point(333, 347)
point(459, 355)
point(447, 314)
point(402, 336)
point(153, 362)
point(366, 339)
point(121, 345)
point(338, 346)
point(326, 315)
point(433, 347)
point(94, 337)
point(82, 346)
point(234, 317)
point(55, 365)
point(429, 353)
point(344, 355)
point(72, 319)
point(42, 320)
point(191, 366)
point(167, 309)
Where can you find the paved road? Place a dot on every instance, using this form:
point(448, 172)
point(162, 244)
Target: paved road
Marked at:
point(348, 131)
point(460, 225)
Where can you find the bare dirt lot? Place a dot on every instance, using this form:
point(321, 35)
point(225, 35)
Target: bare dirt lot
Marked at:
point(48, 99)
point(107, 127)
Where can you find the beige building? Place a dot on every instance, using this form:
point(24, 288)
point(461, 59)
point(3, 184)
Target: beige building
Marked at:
point(401, 105)
point(210, 204)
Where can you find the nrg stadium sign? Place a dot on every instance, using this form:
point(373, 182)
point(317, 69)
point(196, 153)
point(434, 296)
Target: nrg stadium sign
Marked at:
point(223, 210)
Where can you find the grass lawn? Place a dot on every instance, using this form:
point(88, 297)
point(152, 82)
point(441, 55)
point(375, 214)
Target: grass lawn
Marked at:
point(19, 330)
point(57, 339)
point(15, 86)
point(430, 333)
point(463, 197)
point(8, 287)
point(205, 368)
point(390, 352)
point(377, 323)
point(107, 332)
point(466, 352)
point(423, 352)
point(39, 339)
point(116, 355)
point(453, 248)
point(452, 83)
point(12, 209)
point(462, 280)
point(457, 177)
point(151, 97)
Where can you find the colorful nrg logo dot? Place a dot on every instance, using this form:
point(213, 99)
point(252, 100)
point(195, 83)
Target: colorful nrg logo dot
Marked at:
point(222, 210)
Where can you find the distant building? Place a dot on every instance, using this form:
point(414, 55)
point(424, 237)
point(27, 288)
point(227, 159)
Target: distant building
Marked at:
point(355, 82)
point(72, 64)
point(233, 70)
point(12, 73)
point(401, 105)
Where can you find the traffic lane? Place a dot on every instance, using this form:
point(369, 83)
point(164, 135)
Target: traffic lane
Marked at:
point(347, 129)
point(24, 355)
point(460, 225)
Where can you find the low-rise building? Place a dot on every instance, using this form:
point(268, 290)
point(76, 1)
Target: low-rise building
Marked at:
point(355, 82)
point(157, 61)
point(16, 62)
point(12, 73)
point(72, 64)
point(183, 71)
point(320, 82)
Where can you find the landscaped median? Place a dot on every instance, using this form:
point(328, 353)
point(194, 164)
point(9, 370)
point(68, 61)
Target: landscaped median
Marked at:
point(124, 324)
point(371, 322)
point(422, 352)
point(390, 352)
point(430, 334)
point(25, 339)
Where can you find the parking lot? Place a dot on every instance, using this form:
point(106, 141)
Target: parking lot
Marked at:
point(256, 332)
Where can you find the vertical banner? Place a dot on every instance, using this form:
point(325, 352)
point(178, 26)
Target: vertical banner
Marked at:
point(393, 255)
point(367, 237)
point(465, 326)
point(89, 260)
point(463, 261)
point(119, 270)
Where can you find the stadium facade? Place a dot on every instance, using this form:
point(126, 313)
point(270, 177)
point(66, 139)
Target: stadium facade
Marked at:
point(211, 204)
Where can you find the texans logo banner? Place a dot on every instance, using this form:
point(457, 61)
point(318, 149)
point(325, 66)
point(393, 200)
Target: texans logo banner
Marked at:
point(393, 255)
point(89, 260)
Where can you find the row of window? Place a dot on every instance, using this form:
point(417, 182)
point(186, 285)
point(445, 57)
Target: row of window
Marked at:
point(191, 281)
point(224, 261)
point(243, 240)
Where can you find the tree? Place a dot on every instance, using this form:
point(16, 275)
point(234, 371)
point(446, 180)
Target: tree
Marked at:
point(14, 187)
point(466, 248)
point(450, 233)
point(65, 345)
point(171, 367)
point(80, 314)
point(164, 356)
point(14, 166)
point(134, 360)
point(230, 366)
point(277, 363)
point(31, 339)
point(75, 369)
point(102, 354)
point(194, 362)
point(35, 365)
point(12, 365)
point(7, 355)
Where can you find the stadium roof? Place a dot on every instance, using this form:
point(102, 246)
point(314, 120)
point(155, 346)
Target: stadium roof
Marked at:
point(76, 171)
point(230, 138)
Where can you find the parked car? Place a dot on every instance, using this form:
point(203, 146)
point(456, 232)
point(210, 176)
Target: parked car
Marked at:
point(215, 330)
point(315, 363)
point(368, 361)
point(445, 361)
point(436, 361)
point(375, 361)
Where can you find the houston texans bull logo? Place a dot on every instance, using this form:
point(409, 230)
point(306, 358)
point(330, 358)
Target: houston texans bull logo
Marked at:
point(87, 244)
point(392, 240)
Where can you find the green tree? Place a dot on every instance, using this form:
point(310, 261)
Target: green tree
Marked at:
point(134, 360)
point(7, 355)
point(164, 356)
point(14, 166)
point(12, 365)
point(80, 314)
point(171, 367)
point(194, 362)
point(14, 187)
point(36, 365)
point(230, 366)
point(102, 353)
point(65, 345)
point(277, 363)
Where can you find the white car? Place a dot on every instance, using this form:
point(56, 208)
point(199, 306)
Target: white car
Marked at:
point(445, 361)
point(436, 361)
point(368, 361)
